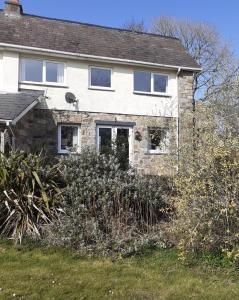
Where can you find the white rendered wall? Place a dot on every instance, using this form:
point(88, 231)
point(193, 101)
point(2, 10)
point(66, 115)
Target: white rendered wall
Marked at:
point(1, 72)
point(121, 100)
point(10, 70)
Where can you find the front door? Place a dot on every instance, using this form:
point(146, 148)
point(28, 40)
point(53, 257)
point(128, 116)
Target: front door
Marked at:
point(122, 147)
point(117, 141)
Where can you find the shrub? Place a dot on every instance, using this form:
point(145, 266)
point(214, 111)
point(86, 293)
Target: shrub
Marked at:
point(109, 209)
point(29, 194)
point(207, 201)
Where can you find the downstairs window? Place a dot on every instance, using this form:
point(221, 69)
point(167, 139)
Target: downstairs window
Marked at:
point(158, 140)
point(68, 139)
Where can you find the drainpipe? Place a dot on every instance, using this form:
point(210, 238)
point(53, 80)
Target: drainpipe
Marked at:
point(178, 118)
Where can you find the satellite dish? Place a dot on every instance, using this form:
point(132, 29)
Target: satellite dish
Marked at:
point(70, 98)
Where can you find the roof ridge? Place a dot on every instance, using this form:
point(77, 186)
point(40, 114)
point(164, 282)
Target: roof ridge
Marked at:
point(94, 40)
point(98, 26)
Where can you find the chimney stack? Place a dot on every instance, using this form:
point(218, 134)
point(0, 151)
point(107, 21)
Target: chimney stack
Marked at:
point(13, 8)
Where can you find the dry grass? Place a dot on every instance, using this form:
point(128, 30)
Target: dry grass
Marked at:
point(53, 274)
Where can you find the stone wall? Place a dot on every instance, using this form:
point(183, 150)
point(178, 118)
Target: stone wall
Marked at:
point(38, 129)
point(185, 90)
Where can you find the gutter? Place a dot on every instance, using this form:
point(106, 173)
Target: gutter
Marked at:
point(72, 55)
point(7, 122)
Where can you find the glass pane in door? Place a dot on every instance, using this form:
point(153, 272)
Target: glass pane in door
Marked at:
point(105, 140)
point(122, 147)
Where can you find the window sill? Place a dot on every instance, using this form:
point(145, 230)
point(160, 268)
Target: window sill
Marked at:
point(157, 153)
point(57, 85)
point(101, 89)
point(165, 95)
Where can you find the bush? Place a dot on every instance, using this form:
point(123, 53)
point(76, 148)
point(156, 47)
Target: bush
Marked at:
point(207, 202)
point(107, 209)
point(29, 194)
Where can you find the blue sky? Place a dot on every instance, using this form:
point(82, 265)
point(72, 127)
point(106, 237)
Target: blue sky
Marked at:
point(222, 14)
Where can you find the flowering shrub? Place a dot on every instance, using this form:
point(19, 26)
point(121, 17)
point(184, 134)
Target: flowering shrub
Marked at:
point(207, 201)
point(108, 209)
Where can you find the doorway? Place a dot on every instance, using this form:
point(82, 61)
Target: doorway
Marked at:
point(116, 140)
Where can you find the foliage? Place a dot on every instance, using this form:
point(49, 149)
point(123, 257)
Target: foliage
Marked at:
point(119, 149)
point(207, 200)
point(29, 194)
point(109, 209)
point(225, 106)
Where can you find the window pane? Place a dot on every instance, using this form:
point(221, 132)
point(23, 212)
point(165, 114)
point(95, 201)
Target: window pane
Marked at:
point(100, 77)
point(105, 140)
point(160, 83)
point(54, 72)
point(158, 139)
point(33, 70)
point(142, 81)
point(69, 138)
point(122, 147)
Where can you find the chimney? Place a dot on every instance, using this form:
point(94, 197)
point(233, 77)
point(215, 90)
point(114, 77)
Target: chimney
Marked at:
point(13, 8)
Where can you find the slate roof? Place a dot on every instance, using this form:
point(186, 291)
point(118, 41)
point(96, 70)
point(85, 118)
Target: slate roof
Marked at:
point(13, 104)
point(80, 38)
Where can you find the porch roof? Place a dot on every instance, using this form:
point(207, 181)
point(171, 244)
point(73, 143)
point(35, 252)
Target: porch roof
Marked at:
point(13, 106)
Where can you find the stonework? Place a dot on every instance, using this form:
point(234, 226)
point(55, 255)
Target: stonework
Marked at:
point(38, 129)
point(185, 95)
point(185, 91)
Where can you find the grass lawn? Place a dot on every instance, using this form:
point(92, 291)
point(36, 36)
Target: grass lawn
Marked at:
point(54, 274)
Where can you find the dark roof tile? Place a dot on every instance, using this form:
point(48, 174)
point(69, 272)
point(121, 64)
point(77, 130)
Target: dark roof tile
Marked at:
point(13, 104)
point(68, 36)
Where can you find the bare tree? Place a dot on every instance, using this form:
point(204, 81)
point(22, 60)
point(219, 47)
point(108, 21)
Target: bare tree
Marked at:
point(205, 45)
point(135, 25)
point(225, 105)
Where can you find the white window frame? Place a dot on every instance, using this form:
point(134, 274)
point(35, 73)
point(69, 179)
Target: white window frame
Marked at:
point(152, 84)
point(96, 87)
point(65, 151)
point(43, 82)
point(159, 151)
point(114, 135)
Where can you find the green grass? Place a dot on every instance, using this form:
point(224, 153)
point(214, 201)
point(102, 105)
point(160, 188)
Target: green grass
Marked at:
point(54, 274)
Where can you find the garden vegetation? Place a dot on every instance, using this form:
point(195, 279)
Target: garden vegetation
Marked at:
point(91, 204)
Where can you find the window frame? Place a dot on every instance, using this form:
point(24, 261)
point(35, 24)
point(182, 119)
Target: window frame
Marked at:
point(96, 87)
point(43, 82)
point(168, 138)
point(65, 151)
point(152, 84)
point(114, 136)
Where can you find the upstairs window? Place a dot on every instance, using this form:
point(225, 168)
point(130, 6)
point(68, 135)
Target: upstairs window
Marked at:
point(142, 82)
point(153, 83)
point(32, 70)
point(158, 140)
point(100, 78)
point(54, 72)
point(160, 83)
point(40, 71)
